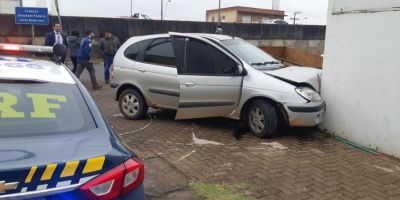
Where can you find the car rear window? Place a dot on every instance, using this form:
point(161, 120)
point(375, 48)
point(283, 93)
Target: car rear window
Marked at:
point(42, 108)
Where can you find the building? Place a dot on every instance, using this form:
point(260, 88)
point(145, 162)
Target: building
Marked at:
point(8, 6)
point(241, 14)
point(361, 84)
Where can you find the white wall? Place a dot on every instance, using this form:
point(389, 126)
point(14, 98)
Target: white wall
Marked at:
point(361, 73)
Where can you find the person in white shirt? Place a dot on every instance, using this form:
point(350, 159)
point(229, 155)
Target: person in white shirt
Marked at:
point(56, 37)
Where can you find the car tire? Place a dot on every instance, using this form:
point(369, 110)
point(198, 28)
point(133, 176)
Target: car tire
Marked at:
point(132, 104)
point(262, 119)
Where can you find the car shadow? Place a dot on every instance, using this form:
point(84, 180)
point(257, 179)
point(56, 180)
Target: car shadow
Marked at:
point(237, 128)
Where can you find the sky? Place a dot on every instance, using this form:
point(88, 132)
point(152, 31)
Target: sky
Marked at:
point(313, 11)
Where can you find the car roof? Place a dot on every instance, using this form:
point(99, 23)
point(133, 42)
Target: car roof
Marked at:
point(204, 35)
point(14, 68)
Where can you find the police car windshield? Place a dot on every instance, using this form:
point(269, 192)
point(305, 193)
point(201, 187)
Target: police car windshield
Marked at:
point(42, 108)
point(252, 55)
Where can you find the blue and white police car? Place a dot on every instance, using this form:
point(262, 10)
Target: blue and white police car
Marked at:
point(54, 142)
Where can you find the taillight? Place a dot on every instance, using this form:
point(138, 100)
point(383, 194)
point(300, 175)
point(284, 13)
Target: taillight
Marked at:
point(116, 182)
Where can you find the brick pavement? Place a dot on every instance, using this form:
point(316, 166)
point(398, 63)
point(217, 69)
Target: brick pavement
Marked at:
point(301, 164)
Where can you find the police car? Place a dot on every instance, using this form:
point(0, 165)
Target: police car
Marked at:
point(54, 142)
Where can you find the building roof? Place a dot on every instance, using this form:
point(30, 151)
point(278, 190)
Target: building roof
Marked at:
point(250, 10)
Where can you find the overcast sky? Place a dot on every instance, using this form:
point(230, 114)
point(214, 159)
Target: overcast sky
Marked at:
point(313, 11)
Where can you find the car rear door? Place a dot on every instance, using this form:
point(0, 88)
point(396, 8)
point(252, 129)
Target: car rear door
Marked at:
point(210, 79)
point(156, 74)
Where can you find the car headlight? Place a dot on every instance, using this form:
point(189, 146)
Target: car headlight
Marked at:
point(308, 94)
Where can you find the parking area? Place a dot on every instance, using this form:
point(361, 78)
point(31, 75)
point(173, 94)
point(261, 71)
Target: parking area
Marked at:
point(299, 164)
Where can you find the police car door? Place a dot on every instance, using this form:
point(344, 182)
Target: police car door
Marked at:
point(210, 79)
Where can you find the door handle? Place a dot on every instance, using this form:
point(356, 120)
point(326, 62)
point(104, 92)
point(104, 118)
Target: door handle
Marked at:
point(142, 70)
point(190, 84)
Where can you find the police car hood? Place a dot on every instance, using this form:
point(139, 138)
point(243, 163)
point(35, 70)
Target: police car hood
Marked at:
point(298, 75)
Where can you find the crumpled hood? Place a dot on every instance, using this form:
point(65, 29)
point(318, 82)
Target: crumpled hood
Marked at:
point(299, 75)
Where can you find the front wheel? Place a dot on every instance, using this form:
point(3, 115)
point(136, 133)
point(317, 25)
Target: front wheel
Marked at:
point(262, 119)
point(132, 104)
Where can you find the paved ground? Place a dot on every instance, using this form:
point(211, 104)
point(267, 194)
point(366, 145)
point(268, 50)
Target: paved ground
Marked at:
point(301, 164)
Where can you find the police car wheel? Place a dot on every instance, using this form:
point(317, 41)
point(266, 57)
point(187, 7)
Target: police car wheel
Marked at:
point(132, 104)
point(262, 119)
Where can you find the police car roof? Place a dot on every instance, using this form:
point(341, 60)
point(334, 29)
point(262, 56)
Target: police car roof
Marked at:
point(12, 68)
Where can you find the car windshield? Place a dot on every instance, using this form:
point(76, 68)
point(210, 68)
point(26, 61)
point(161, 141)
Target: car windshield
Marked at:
point(36, 108)
point(252, 55)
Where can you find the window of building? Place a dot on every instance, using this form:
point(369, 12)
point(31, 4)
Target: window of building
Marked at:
point(213, 19)
point(160, 52)
point(246, 19)
point(265, 19)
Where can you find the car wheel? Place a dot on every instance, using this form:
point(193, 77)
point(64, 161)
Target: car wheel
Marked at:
point(262, 119)
point(132, 104)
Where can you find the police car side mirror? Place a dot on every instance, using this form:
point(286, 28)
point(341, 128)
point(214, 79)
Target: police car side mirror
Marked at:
point(60, 50)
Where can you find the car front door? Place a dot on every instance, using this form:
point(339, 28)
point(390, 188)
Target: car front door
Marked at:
point(210, 79)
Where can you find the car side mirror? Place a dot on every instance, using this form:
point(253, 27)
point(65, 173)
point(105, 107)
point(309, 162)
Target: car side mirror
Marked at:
point(229, 70)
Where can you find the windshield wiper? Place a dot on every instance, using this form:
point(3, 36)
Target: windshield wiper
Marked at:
point(22, 81)
point(265, 63)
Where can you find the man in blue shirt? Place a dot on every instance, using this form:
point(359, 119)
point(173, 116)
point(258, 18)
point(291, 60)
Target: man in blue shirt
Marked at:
point(84, 60)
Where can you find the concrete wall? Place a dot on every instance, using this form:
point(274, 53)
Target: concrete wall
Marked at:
point(361, 74)
point(315, 47)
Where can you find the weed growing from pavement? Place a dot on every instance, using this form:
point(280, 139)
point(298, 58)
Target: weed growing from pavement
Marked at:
point(219, 192)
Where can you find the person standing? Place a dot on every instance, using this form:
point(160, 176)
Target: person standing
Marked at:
point(84, 60)
point(74, 42)
point(109, 46)
point(56, 37)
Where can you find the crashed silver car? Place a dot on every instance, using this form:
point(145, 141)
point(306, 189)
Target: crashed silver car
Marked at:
point(208, 75)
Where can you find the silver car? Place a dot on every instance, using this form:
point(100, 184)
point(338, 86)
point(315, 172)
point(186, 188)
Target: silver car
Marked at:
point(208, 75)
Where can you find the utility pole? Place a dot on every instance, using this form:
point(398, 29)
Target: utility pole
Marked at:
point(162, 8)
point(131, 8)
point(58, 12)
point(219, 13)
point(20, 3)
point(294, 16)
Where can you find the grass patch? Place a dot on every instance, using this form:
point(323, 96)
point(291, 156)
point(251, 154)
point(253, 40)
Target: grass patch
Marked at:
point(220, 192)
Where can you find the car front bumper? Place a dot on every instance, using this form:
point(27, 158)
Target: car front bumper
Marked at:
point(303, 115)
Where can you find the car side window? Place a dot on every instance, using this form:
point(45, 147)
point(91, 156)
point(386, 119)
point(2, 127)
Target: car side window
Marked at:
point(198, 59)
point(223, 64)
point(133, 51)
point(160, 52)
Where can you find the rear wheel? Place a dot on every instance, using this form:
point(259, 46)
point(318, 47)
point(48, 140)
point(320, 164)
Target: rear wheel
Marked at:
point(262, 119)
point(132, 104)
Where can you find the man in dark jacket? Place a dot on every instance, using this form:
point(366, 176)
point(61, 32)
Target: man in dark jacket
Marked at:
point(56, 37)
point(109, 46)
point(74, 43)
point(84, 60)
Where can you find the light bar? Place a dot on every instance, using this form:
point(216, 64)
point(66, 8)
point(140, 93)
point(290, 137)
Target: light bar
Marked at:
point(25, 48)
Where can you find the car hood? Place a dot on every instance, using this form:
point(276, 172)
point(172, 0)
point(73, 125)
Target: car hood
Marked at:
point(298, 76)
